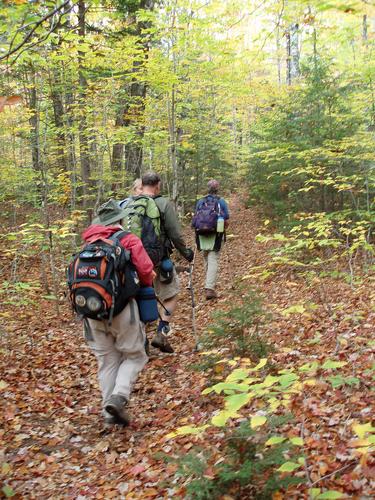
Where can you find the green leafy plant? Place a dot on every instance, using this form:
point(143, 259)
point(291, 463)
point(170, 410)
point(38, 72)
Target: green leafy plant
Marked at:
point(251, 465)
point(241, 329)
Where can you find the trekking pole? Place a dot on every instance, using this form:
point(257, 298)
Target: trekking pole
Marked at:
point(191, 288)
point(163, 306)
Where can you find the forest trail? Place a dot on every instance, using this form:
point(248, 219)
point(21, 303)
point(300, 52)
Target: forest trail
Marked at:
point(53, 439)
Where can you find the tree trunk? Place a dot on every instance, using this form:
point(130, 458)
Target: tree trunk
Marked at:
point(278, 54)
point(58, 113)
point(364, 29)
point(292, 49)
point(132, 154)
point(172, 144)
point(118, 147)
point(134, 151)
point(83, 135)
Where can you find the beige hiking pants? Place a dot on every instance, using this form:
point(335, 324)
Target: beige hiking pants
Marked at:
point(119, 350)
point(211, 262)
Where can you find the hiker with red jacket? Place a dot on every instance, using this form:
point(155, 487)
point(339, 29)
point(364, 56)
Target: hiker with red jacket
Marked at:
point(210, 221)
point(118, 344)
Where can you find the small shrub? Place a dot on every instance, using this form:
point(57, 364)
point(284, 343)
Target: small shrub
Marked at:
point(240, 329)
point(248, 468)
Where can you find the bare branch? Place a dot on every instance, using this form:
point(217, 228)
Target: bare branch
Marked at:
point(37, 24)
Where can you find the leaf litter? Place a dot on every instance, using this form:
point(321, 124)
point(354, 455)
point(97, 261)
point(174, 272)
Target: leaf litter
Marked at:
point(53, 444)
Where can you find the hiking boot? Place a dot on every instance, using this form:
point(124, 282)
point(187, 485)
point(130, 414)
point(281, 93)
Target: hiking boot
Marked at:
point(210, 294)
point(160, 341)
point(147, 347)
point(109, 422)
point(116, 407)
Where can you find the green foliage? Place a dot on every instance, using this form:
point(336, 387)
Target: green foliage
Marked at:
point(311, 152)
point(257, 451)
point(247, 465)
point(241, 329)
point(19, 293)
point(312, 165)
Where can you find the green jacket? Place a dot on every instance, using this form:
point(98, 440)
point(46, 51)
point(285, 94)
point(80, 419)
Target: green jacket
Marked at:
point(170, 226)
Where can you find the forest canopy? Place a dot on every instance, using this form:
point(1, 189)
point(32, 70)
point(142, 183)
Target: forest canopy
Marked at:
point(94, 93)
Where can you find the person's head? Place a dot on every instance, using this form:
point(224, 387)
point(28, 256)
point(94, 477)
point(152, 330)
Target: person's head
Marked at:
point(213, 186)
point(151, 183)
point(109, 213)
point(137, 187)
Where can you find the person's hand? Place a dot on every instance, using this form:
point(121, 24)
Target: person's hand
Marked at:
point(153, 274)
point(189, 255)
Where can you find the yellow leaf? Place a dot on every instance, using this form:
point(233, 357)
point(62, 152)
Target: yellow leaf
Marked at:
point(295, 309)
point(185, 430)
point(257, 421)
point(259, 366)
point(362, 429)
point(219, 368)
point(310, 381)
point(221, 418)
point(3, 385)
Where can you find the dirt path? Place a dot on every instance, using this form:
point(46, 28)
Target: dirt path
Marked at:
point(52, 436)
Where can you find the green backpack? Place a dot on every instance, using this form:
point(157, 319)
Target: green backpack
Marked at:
point(142, 218)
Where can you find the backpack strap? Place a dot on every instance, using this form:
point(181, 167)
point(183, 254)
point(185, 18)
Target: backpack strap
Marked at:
point(160, 212)
point(135, 199)
point(217, 199)
point(118, 235)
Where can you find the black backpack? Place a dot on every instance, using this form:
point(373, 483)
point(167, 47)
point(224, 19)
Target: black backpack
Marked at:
point(102, 278)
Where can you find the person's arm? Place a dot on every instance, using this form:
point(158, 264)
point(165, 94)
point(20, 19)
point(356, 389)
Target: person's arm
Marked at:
point(173, 230)
point(224, 208)
point(142, 262)
point(224, 212)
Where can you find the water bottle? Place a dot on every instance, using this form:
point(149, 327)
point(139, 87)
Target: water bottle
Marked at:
point(220, 224)
point(147, 304)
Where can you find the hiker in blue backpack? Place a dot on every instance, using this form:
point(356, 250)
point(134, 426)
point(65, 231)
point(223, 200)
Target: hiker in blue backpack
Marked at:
point(210, 221)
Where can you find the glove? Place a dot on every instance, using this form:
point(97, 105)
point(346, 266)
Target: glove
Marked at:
point(189, 255)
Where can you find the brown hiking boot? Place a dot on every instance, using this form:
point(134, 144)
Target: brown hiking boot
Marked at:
point(116, 407)
point(210, 294)
point(160, 341)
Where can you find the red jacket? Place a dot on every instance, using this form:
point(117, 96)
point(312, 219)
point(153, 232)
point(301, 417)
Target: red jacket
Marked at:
point(130, 242)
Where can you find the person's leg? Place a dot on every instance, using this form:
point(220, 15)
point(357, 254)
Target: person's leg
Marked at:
point(129, 341)
point(102, 343)
point(167, 293)
point(130, 338)
point(205, 259)
point(170, 305)
point(211, 274)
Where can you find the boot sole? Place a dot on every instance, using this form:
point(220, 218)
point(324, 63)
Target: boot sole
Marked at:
point(162, 347)
point(114, 411)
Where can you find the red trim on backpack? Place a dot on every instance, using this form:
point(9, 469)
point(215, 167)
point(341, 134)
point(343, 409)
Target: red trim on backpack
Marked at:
point(103, 266)
point(101, 291)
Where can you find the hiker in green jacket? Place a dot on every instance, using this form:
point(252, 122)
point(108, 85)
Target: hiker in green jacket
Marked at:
point(166, 283)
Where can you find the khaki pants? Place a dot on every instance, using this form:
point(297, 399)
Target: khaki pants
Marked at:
point(167, 291)
point(211, 261)
point(119, 350)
